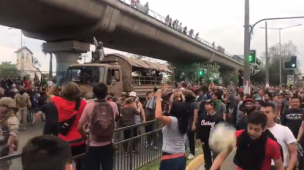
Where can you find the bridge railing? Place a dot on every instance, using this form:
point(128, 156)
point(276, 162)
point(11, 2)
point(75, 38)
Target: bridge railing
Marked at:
point(155, 15)
point(131, 151)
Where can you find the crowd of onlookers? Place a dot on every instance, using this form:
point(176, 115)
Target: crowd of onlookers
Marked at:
point(185, 114)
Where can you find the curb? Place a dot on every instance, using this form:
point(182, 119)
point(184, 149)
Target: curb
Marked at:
point(196, 162)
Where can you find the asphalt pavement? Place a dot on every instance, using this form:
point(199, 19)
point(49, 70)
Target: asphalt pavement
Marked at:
point(24, 136)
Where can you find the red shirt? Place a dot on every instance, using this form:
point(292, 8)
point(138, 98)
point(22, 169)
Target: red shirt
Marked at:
point(272, 151)
point(65, 110)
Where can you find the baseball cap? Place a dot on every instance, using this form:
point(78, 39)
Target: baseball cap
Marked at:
point(209, 101)
point(132, 94)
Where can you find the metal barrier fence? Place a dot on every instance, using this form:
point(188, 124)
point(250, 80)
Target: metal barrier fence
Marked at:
point(132, 152)
point(141, 8)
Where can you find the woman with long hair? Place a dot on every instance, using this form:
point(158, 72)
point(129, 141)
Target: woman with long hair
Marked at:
point(174, 133)
point(69, 107)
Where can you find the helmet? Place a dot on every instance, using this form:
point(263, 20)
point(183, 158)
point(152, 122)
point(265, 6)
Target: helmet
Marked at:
point(7, 101)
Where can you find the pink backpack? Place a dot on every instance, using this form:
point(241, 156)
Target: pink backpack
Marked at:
point(102, 122)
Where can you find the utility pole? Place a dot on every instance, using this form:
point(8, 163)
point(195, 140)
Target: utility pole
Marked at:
point(280, 51)
point(266, 55)
point(21, 39)
point(280, 45)
point(246, 48)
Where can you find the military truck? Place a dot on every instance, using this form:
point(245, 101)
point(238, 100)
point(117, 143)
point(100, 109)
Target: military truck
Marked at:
point(120, 74)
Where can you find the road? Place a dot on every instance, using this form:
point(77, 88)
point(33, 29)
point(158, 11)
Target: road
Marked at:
point(228, 164)
point(24, 136)
point(122, 162)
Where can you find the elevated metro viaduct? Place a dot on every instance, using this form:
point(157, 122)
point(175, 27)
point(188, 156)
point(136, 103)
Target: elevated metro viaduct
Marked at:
point(69, 26)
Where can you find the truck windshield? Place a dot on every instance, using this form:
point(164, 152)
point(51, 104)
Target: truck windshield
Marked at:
point(85, 74)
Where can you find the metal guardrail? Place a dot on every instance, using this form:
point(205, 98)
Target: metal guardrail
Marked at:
point(141, 8)
point(124, 157)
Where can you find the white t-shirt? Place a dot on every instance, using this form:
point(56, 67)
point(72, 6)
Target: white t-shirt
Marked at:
point(284, 136)
point(173, 140)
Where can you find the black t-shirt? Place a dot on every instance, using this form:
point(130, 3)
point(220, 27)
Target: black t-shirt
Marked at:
point(9, 83)
point(292, 118)
point(51, 126)
point(206, 124)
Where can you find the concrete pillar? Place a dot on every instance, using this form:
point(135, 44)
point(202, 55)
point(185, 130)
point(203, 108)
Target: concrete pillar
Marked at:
point(66, 53)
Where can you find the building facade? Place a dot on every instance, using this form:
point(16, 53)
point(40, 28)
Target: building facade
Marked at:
point(25, 63)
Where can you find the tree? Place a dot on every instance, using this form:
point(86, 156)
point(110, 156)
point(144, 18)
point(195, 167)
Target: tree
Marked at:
point(50, 64)
point(229, 77)
point(287, 50)
point(190, 72)
point(9, 69)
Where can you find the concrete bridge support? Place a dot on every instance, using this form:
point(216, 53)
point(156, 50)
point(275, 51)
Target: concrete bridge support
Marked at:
point(67, 53)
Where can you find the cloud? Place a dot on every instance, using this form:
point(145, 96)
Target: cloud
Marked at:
point(218, 21)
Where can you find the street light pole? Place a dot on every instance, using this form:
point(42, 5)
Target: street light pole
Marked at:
point(246, 49)
point(280, 45)
point(21, 38)
point(280, 48)
point(266, 55)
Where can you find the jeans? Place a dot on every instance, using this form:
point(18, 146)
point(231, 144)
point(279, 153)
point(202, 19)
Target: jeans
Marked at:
point(207, 155)
point(191, 142)
point(129, 133)
point(173, 164)
point(151, 138)
point(100, 157)
point(77, 150)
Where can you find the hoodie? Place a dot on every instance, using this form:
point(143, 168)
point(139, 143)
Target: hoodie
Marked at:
point(66, 110)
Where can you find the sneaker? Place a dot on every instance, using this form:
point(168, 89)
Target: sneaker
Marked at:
point(190, 156)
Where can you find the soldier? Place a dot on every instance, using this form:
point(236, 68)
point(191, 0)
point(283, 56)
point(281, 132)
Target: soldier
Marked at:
point(9, 126)
point(23, 102)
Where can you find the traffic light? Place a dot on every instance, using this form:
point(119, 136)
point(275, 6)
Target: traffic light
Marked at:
point(201, 72)
point(252, 57)
point(291, 64)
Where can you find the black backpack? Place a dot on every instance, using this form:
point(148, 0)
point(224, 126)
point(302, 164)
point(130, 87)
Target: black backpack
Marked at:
point(270, 135)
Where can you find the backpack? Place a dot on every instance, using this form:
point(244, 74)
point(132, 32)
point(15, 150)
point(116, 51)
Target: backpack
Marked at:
point(22, 100)
point(102, 121)
point(270, 135)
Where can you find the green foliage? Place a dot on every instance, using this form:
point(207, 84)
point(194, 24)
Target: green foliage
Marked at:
point(8, 69)
point(191, 72)
point(229, 77)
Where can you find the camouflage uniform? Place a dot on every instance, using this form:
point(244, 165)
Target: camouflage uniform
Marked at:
point(9, 125)
point(23, 102)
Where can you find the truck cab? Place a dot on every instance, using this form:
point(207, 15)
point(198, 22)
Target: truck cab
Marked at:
point(119, 73)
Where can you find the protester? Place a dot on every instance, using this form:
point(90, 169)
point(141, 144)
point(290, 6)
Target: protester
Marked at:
point(174, 133)
point(206, 124)
point(100, 116)
point(69, 107)
point(47, 153)
point(283, 136)
point(256, 147)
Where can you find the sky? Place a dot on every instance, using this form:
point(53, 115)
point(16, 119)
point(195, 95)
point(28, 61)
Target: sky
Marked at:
point(219, 21)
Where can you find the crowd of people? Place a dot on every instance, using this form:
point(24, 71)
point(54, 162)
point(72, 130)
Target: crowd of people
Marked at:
point(269, 124)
